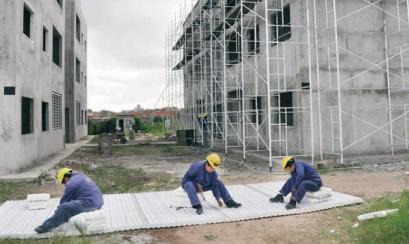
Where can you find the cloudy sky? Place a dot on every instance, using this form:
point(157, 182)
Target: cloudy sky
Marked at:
point(126, 51)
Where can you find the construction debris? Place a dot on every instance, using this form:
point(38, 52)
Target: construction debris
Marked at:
point(379, 214)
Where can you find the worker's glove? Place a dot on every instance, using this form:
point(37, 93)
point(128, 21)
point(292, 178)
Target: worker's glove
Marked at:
point(220, 203)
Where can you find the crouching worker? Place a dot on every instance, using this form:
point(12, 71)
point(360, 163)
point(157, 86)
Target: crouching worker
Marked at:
point(303, 178)
point(202, 176)
point(81, 194)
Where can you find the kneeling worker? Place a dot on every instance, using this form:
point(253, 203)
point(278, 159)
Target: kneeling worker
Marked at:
point(81, 194)
point(202, 176)
point(303, 178)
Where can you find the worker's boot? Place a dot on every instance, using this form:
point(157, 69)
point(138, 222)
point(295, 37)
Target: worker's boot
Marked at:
point(291, 205)
point(232, 204)
point(199, 209)
point(277, 198)
point(40, 229)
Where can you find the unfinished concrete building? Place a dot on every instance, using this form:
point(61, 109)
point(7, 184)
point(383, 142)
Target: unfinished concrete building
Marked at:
point(312, 78)
point(75, 72)
point(32, 81)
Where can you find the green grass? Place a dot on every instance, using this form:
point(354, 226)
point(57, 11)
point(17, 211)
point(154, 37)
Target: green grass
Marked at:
point(118, 179)
point(13, 190)
point(392, 229)
point(52, 240)
point(115, 179)
point(162, 150)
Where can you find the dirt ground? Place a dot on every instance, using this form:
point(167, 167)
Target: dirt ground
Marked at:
point(307, 228)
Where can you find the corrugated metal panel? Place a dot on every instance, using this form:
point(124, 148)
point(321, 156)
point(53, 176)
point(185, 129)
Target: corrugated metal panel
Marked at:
point(160, 209)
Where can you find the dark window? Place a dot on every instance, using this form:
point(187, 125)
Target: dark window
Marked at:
point(60, 2)
point(305, 85)
point(253, 39)
point(233, 50)
point(44, 116)
point(57, 47)
point(256, 110)
point(78, 112)
point(82, 117)
point(234, 105)
point(45, 39)
point(281, 21)
point(121, 124)
point(9, 90)
point(57, 111)
point(286, 114)
point(85, 117)
point(27, 116)
point(77, 70)
point(27, 21)
point(78, 28)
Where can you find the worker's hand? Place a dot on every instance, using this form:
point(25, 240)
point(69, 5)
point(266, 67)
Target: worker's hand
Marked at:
point(219, 201)
point(199, 188)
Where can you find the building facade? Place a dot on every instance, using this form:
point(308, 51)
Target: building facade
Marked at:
point(32, 81)
point(75, 72)
point(314, 78)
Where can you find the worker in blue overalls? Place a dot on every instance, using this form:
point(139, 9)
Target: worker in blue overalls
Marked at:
point(303, 178)
point(81, 195)
point(202, 176)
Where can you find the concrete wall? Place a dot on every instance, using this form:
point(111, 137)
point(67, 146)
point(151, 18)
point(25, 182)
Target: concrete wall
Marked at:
point(75, 91)
point(24, 65)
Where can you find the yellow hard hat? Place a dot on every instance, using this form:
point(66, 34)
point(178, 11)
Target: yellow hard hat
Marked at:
point(285, 160)
point(61, 173)
point(214, 160)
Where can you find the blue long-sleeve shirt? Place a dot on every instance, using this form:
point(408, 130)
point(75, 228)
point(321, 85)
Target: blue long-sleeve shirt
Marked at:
point(198, 175)
point(80, 187)
point(303, 172)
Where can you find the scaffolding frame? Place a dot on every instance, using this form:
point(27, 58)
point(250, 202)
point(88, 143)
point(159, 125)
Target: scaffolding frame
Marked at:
point(233, 85)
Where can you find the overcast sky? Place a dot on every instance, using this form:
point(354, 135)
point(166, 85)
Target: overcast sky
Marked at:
point(126, 51)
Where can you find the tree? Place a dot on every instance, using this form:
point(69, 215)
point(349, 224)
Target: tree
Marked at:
point(157, 119)
point(138, 124)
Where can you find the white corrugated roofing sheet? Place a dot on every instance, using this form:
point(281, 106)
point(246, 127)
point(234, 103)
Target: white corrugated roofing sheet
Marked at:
point(146, 210)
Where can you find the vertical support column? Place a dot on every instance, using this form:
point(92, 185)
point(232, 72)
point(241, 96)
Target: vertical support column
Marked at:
point(243, 90)
point(202, 63)
point(317, 63)
point(407, 9)
point(389, 89)
point(256, 78)
point(401, 67)
point(270, 156)
point(310, 78)
point(338, 82)
point(398, 14)
point(212, 79)
point(194, 108)
point(224, 77)
point(185, 72)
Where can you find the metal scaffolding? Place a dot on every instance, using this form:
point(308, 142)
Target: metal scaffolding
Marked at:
point(311, 78)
